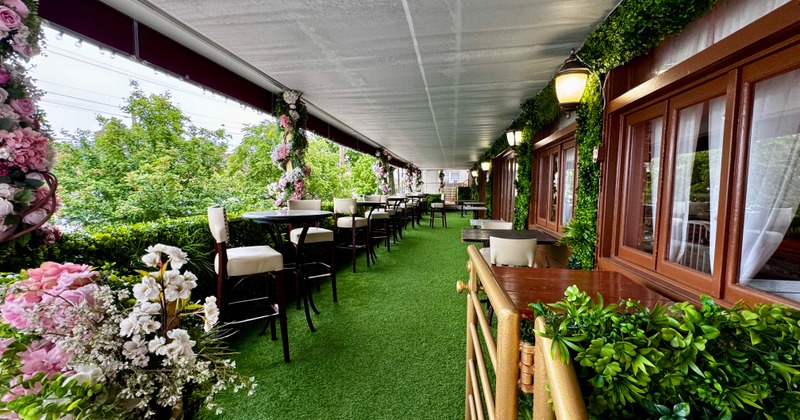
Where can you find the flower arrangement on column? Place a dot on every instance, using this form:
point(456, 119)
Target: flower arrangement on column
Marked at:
point(441, 182)
point(411, 179)
point(81, 343)
point(289, 154)
point(417, 178)
point(27, 188)
point(382, 170)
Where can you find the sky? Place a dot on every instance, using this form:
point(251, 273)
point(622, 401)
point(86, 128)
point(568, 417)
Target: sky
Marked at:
point(82, 81)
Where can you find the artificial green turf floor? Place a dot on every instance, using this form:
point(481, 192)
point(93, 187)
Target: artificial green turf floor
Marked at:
point(391, 348)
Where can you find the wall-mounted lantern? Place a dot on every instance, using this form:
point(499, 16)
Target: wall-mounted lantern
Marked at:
point(571, 81)
point(514, 138)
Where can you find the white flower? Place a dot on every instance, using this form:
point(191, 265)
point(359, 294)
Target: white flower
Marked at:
point(177, 257)
point(86, 374)
point(136, 351)
point(212, 313)
point(180, 349)
point(6, 154)
point(147, 308)
point(35, 217)
point(129, 326)
point(156, 346)
point(151, 259)
point(147, 290)
point(6, 207)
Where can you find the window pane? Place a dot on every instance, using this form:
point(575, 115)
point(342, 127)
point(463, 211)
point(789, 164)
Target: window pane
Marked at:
point(695, 181)
point(544, 186)
point(770, 256)
point(554, 188)
point(642, 200)
point(569, 185)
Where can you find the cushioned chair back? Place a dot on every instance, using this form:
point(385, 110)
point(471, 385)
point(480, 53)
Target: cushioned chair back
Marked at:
point(218, 223)
point(512, 251)
point(383, 199)
point(372, 198)
point(494, 224)
point(344, 205)
point(305, 204)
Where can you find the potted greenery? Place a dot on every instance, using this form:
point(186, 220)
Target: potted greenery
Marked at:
point(679, 361)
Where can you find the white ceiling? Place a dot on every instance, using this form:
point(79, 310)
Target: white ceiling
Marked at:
point(435, 82)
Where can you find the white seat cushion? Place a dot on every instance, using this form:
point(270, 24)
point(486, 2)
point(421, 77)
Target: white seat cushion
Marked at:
point(486, 253)
point(378, 215)
point(314, 235)
point(437, 205)
point(248, 260)
point(348, 223)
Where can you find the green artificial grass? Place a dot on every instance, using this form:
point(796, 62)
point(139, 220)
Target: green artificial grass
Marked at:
point(391, 348)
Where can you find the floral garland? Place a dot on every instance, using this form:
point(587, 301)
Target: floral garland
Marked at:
point(79, 341)
point(27, 189)
point(382, 170)
point(412, 178)
point(441, 182)
point(289, 155)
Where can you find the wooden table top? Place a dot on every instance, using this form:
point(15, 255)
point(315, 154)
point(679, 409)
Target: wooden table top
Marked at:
point(527, 285)
point(482, 235)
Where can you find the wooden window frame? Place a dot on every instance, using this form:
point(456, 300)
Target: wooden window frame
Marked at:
point(766, 48)
point(556, 143)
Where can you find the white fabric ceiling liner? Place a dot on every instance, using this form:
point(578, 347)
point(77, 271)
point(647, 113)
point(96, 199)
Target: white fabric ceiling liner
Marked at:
point(435, 82)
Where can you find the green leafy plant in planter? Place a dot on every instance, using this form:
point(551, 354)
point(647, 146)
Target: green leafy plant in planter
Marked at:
point(681, 361)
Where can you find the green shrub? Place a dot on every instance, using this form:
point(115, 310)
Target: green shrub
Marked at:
point(124, 245)
point(678, 362)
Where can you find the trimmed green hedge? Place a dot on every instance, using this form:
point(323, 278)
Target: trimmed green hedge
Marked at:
point(124, 245)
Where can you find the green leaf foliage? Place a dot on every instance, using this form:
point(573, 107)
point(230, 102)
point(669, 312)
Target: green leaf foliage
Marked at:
point(123, 245)
point(678, 362)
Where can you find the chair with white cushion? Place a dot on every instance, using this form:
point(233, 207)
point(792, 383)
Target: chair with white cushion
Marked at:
point(438, 208)
point(493, 224)
point(243, 280)
point(344, 212)
point(513, 252)
point(316, 236)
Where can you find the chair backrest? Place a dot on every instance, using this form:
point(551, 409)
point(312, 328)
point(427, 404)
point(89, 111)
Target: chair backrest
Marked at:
point(218, 223)
point(494, 224)
point(373, 198)
point(512, 251)
point(305, 204)
point(344, 205)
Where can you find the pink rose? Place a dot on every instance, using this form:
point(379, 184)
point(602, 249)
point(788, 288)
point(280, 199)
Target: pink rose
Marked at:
point(23, 50)
point(23, 107)
point(35, 217)
point(48, 274)
point(18, 6)
point(5, 76)
point(9, 19)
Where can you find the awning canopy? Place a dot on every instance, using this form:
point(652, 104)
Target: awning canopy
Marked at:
point(434, 82)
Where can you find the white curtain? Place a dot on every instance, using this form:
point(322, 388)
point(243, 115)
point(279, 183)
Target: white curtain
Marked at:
point(716, 127)
point(725, 18)
point(773, 180)
point(656, 128)
point(688, 132)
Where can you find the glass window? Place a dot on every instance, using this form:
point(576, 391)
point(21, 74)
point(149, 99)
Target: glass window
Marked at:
point(568, 190)
point(642, 199)
point(695, 182)
point(553, 187)
point(770, 252)
point(543, 187)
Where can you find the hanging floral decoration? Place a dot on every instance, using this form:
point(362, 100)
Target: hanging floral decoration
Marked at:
point(412, 178)
point(382, 170)
point(289, 155)
point(81, 343)
point(27, 188)
point(441, 182)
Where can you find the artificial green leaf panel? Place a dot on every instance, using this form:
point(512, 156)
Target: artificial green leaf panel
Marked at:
point(678, 362)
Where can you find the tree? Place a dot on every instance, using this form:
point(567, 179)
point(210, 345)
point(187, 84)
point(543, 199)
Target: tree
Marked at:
point(161, 166)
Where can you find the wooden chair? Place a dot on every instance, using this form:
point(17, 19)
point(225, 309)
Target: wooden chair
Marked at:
point(344, 213)
point(438, 208)
point(243, 280)
point(315, 236)
point(493, 224)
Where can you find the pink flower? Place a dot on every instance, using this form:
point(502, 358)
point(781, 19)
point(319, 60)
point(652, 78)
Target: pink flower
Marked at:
point(49, 275)
point(286, 123)
point(35, 217)
point(18, 6)
point(42, 356)
point(4, 342)
point(24, 50)
point(24, 106)
point(9, 19)
point(5, 76)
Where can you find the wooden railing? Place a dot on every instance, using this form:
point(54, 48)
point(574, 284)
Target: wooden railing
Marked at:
point(497, 399)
